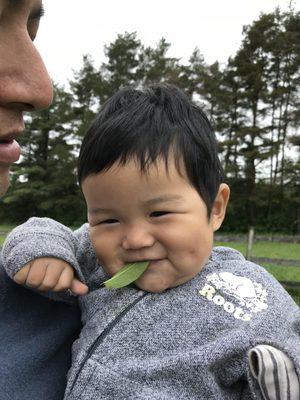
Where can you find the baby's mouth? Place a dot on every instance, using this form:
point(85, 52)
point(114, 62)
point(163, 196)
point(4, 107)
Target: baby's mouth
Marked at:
point(151, 262)
point(128, 274)
point(155, 262)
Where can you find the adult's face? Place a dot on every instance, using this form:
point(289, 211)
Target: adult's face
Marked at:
point(24, 81)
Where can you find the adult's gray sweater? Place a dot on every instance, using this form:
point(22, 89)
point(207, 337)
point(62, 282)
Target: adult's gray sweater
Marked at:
point(190, 342)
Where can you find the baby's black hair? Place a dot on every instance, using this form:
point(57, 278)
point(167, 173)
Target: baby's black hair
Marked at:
point(147, 125)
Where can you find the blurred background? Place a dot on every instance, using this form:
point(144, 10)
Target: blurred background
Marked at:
point(239, 60)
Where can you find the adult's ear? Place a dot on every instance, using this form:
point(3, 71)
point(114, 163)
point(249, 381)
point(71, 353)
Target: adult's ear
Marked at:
point(219, 206)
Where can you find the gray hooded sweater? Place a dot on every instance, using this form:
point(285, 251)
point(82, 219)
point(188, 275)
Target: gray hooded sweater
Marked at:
point(190, 342)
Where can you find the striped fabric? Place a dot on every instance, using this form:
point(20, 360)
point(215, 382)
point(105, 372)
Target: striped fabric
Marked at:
point(274, 372)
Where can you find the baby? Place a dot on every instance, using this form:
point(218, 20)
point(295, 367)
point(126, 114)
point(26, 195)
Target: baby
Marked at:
point(200, 322)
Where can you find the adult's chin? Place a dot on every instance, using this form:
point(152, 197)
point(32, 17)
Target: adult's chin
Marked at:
point(4, 180)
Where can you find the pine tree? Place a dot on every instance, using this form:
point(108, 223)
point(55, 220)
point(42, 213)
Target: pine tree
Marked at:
point(44, 183)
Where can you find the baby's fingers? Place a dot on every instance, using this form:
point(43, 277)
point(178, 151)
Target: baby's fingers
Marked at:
point(50, 274)
point(78, 287)
point(65, 279)
point(21, 276)
point(32, 275)
point(52, 277)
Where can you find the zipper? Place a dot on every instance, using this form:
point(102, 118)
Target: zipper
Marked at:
point(103, 335)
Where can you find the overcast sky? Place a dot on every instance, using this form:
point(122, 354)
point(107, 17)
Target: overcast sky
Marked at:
point(71, 28)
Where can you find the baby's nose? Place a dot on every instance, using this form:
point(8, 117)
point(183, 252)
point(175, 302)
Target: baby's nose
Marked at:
point(137, 237)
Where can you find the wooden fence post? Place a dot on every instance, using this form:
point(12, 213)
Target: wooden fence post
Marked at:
point(250, 243)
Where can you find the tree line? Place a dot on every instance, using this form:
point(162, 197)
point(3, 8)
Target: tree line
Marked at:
point(252, 101)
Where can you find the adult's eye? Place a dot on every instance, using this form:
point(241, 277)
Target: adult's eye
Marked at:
point(159, 213)
point(32, 28)
point(34, 21)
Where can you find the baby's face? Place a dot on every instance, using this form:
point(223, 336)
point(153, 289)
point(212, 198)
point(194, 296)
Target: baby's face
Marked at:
point(155, 216)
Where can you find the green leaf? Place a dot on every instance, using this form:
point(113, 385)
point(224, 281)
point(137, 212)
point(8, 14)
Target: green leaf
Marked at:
point(127, 274)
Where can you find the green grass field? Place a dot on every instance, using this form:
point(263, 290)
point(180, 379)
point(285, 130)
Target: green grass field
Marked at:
point(287, 251)
point(273, 250)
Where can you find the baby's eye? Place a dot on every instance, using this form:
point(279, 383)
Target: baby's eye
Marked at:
point(109, 221)
point(159, 213)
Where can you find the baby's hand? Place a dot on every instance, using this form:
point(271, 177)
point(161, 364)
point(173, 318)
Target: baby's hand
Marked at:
point(50, 274)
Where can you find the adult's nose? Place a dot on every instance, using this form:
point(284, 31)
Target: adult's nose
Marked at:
point(24, 80)
point(137, 236)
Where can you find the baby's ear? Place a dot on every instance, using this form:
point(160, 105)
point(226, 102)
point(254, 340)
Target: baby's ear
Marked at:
point(219, 207)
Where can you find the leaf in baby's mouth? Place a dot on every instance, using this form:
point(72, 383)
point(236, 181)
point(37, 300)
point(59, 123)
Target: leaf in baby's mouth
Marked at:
point(127, 274)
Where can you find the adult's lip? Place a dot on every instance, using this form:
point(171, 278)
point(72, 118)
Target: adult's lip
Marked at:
point(9, 148)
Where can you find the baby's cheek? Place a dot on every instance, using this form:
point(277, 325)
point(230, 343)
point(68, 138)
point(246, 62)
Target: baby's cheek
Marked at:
point(102, 250)
point(188, 245)
point(194, 259)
